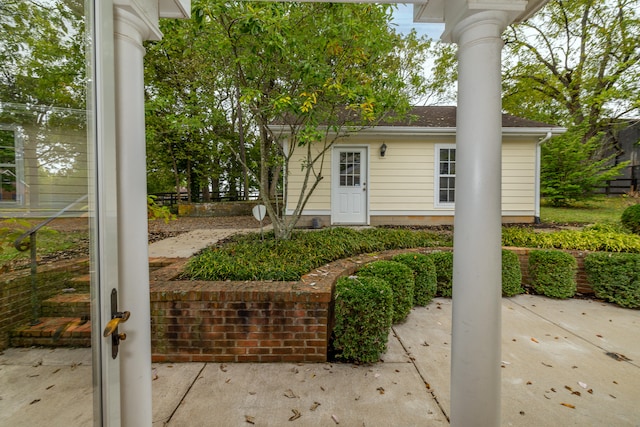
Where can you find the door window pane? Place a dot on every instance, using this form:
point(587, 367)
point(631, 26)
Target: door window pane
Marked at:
point(349, 169)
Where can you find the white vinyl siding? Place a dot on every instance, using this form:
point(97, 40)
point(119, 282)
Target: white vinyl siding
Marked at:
point(405, 180)
point(518, 176)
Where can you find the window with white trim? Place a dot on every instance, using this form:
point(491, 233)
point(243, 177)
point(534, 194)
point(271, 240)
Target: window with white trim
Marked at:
point(445, 176)
point(9, 173)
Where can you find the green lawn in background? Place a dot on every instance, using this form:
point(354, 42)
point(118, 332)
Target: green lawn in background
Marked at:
point(602, 209)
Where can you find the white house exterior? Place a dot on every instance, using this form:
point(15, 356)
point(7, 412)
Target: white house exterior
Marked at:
point(413, 183)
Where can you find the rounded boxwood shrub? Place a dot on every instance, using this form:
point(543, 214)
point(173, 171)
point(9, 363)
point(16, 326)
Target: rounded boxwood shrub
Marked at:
point(631, 218)
point(400, 278)
point(424, 273)
point(363, 312)
point(615, 277)
point(511, 274)
point(444, 272)
point(553, 273)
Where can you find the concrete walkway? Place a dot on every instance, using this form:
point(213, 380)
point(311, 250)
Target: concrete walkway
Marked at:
point(565, 363)
point(192, 242)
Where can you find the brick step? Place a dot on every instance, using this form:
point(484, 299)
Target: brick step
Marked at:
point(53, 332)
point(67, 305)
point(81, 283)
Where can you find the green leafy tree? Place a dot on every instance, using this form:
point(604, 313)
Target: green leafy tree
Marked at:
point(577, 63)
point(324, 70)
point(570, 170)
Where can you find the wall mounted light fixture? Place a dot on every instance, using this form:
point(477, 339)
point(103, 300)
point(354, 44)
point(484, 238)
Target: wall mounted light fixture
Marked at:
point(383, 149)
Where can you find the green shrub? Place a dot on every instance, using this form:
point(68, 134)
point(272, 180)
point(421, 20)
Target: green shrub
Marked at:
point(631, 218)
point(600, 238)
point(248, 257)
point(400, 278)
point(511, 274)
point(424, 273)
point(553, 273)
point(615, 277)
point(444, 272)
point(363, 313)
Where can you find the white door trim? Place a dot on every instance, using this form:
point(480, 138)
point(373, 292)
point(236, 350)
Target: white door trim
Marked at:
point(363, 217)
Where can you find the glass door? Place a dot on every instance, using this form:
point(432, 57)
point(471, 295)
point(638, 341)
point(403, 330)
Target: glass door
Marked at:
point(58, 245)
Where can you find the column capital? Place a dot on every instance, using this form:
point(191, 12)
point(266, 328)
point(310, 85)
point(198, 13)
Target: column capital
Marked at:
point(137, 16)
point(454, 12)
point(488, 24)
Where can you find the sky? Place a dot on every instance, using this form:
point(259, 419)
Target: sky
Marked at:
point(403, 17)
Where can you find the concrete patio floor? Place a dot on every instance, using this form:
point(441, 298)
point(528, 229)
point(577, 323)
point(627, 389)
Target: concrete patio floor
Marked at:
point(565, 363)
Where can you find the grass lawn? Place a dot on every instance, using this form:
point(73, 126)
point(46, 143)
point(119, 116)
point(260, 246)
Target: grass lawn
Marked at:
point(602, 209)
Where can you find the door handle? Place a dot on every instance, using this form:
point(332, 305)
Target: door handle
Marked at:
point(113, 324)
point(117, 317)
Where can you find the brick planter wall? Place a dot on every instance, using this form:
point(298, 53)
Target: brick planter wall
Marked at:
point(198, 321)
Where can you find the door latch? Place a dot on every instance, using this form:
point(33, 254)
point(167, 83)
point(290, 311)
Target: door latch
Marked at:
point(111, 329)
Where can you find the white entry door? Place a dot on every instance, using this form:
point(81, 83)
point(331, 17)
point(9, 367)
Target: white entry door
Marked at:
point(349, 189)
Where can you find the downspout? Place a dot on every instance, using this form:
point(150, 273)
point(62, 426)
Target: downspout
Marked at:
point(536, 218)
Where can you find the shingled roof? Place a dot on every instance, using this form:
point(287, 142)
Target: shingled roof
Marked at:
point(445, 117)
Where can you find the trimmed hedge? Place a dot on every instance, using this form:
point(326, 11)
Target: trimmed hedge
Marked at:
point(363, 313)
point(553, 273)
point(400, 278)
point(511, 274)
point(631, 218)
point(424, 273)
point(615, 277)
point(444, 272)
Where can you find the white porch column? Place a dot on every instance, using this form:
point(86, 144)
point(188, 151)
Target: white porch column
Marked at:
point(135, 353)
point(476, 341)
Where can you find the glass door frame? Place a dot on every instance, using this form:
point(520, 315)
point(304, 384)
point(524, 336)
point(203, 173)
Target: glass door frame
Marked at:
point(103, 202)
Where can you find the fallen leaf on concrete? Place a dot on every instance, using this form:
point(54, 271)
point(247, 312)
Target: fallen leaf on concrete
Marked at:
point(34, 401)
point(568, 405)
point(590, 391)
point(381, 390)
point(314, 406)
point(56, 371)
point(250, 419)
point(619, 357)
point(534, 340)
point(529, 383)
point(335, 419)
point(425, 344)
point(51, 386)
point(290, 394)
point(599, 336)
point(223, 367)
point(295, 416)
